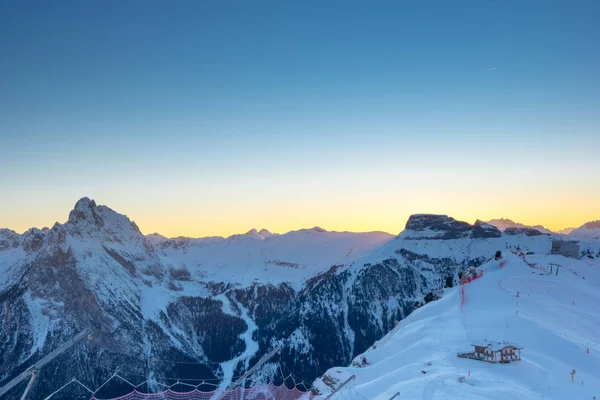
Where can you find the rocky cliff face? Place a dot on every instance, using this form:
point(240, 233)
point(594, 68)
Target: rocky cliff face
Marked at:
point(443, 227)
point(523, 231)
point(159, 310)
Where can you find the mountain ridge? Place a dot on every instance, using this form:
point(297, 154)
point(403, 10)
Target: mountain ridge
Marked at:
point(504, 223)
point(589, 230)
point(500, 223)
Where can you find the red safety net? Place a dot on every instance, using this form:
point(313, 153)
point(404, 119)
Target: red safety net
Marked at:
point(258, 392)
point(472, 278)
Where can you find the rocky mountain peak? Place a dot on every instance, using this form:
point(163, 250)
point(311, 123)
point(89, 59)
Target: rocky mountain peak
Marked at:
point(33, 239)
point(523, 231)
point(57, 234)
point(93, 220)
point(432, 226)
point(484, 230)
point(85, 210)
point(8, 233)
point(157, 238)
point(442, 225)
point(433, 222)
point(8, 239)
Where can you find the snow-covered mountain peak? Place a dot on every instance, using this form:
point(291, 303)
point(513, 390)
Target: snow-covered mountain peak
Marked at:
point(485, 230)
point(566, 231)
point(252, 234)
point(92, 220)
point(33, 239)
point(6, 233)
point(85, 209)
point(589, 230)
point(262, 234)
point(315, 229)
point(483, 224)
point(505, 223)
point(8, 239)
point(156, 238)
point(265, 233)
point(592, 225)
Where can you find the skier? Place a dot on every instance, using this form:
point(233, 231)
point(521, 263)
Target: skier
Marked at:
point(573, 375)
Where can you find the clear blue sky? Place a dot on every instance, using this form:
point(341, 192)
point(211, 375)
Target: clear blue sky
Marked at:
point(345, 114)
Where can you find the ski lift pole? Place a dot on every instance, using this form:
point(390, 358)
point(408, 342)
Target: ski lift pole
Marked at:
point(29, 385)
point(35, 368)
point(260, 362)
point(340, 387)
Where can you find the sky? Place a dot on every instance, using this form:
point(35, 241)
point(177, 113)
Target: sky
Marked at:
point(200, 118)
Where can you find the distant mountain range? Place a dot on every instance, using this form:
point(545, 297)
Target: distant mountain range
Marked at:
point(504, 224)
point(565, 231)
point(589, 230)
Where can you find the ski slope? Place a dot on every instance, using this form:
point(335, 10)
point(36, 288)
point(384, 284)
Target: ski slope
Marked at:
point(556, 318)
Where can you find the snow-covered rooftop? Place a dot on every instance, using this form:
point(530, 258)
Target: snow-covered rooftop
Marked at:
point(495, 346)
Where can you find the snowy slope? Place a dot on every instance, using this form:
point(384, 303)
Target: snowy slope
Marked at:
point(589, 230)
point(504, 223)
point(565, 231)
point(555, 318)
point(261, 257)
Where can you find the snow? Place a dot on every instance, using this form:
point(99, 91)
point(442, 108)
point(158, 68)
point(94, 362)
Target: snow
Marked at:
point(156, 238)
point(590, 230)
point(44, 316)
point(504, 224)
point(424, 234)
point(228, 367)
point(10, 266)
point(251, 258)
point(495, 346)
point(566, 231)
point(555, 318)
point(486, 226)
point(457, 249)
point(265, 233)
